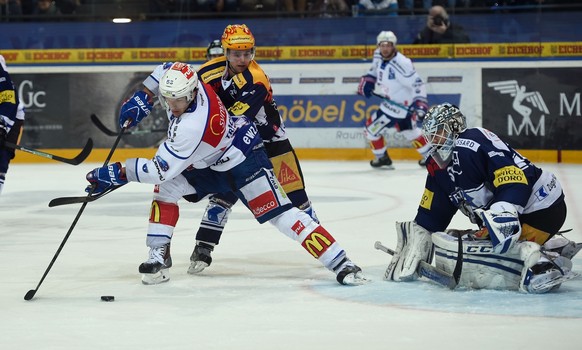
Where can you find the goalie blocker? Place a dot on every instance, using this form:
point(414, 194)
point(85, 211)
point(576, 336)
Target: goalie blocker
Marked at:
point(525, 266)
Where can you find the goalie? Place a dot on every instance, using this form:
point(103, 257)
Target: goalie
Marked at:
point(518, 207)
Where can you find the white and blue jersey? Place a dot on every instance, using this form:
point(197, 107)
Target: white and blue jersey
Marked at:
point(205, 136)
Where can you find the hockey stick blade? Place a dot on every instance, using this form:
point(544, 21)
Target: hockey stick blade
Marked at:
point(110, 132)
point(426, 270)
point(81, 199)
point(73, 161)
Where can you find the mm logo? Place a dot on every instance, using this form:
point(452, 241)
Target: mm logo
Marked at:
point(524, 103)
point(318, 242)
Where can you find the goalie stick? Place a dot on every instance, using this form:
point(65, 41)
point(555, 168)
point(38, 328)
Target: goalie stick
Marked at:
point(80, 199)
point(433, 273)
point(31, 293)
point(110, 132)
point(73, 161)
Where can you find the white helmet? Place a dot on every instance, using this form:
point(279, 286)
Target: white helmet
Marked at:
point(441, 128)
point(180, 80)
point(386, 36)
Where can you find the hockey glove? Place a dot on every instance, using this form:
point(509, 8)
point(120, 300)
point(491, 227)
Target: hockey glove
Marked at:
point(135, 109)
point(420, 107)
point(105, 177)
point(366, 86)
point(502, 224)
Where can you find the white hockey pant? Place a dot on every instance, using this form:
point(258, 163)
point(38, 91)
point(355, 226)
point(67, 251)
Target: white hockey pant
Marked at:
point(300, 227)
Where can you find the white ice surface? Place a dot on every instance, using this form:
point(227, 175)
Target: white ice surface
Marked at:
point(263, 291)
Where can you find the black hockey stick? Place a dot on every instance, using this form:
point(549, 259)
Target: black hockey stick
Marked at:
point(74, 161)
point(110, 132)
point(80, 199)
point(431, 272)
point(30, 294)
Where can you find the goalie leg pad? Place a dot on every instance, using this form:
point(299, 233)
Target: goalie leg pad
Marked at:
point(414, 245)
point(482, 268)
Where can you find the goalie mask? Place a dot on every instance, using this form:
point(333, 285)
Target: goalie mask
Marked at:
point(178, 82)
point(441, 128)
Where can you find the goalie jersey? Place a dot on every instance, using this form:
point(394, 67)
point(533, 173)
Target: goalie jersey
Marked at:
point(483, 170)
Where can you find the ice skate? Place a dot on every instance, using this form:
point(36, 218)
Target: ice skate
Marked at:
point(548, 276)
point(200, 258)
point(350, 274)
point(156, 269)
point(383, 162)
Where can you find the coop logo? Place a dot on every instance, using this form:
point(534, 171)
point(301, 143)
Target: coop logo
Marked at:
point(525, 104)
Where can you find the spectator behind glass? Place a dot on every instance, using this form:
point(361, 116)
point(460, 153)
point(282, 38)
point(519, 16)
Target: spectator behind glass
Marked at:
point(46, 8)
point(187, 6)
point(331, 8)
point(440, 30)
point(292, 6)
point(258, 5)
point(68, 6)
point(10, 8)
point(384, 7)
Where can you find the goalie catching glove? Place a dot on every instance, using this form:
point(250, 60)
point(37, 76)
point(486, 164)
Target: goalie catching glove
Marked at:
point(105, 177)
point(502, 224)
point(135, 109)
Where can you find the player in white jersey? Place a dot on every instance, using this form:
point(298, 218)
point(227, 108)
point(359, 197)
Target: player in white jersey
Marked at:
point(518, 207)
point(404, 99)
point(206, 152)
point(11, 119)
point(245, 89)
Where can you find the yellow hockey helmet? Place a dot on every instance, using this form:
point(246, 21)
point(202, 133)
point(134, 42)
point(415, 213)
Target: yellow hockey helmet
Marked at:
point(238, 37)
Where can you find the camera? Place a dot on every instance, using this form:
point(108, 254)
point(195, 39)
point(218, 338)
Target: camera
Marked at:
point(439, 20)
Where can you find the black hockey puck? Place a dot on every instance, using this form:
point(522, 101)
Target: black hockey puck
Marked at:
point(107, 298)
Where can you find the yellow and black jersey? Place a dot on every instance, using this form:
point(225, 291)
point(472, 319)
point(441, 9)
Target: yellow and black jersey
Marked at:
point(248, 93)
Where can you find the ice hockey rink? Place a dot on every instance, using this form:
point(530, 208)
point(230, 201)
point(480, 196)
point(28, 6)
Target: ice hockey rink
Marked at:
point(262, 291)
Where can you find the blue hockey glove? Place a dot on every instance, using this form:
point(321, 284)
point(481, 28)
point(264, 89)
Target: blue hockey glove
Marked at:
point(105, 177)
point(366, 86)
point(135, 109)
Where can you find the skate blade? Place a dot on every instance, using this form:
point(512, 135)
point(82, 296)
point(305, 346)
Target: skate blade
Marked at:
point(384, 167)
point(156, 278)
point(197, 267)
point(355, 279)
point(556, 282)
